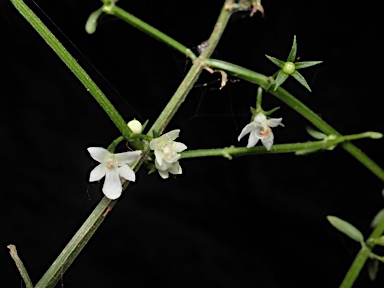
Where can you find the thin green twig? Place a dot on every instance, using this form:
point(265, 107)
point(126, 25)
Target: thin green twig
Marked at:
point(282, 94)
point(150, 30)
point(300, 148)
point(193, 74)
point(20, 266)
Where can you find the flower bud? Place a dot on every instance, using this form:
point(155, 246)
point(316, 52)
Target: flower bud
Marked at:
point(289, 67)
point(135, 126)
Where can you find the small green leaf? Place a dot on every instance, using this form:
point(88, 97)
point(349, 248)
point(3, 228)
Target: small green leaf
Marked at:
point(300, 65)
point(315, 134)
point(301, 79)
point(377, 219)
point(276, 61)
point(91, 24)
point(292, 54)
point(346, 228)
point(373, 268)
point(281, 77)
point(306, 151)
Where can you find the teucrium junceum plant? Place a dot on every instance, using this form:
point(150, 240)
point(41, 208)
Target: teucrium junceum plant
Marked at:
point(168, 152)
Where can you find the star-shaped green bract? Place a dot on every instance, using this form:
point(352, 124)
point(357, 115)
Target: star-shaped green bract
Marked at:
point(290, 67)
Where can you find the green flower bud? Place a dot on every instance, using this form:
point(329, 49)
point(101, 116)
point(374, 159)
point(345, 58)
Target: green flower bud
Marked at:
point(289, 67)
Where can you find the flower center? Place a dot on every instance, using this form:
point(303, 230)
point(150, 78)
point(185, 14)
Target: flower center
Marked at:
point(265, 132)
point(289, 67)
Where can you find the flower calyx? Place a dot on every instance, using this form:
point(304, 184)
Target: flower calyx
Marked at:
point(290, 67)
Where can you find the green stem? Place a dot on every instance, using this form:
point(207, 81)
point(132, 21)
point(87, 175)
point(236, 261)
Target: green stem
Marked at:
point(20, 266)
point(76, 244)
point(86, 231)
point(72, 64)
point(361, 258)
point(229, 152)
point(150, 30)
point(193, 74)
point(299, 107)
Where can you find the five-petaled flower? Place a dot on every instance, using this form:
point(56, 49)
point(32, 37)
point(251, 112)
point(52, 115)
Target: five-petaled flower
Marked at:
point(112, 166)
point(259, 129)
point(167, 153)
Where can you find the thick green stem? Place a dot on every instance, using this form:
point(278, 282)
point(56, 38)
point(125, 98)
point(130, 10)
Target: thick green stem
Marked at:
point(298, 106)
point(150, 30)
point(72, 64)
point(300, 148)
point(361, 258)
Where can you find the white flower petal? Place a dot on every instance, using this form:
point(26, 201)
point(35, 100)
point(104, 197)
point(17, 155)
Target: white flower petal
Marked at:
point(98, 172)
point(248, 128)
point(273, 122)
point(127, 157)
point(179, 146)
point(99, 154)
point(127, 173)
point(173, 159)
point(112, 185)
point(175, 169)
point(159, 157)
point(153, 143)
point(172, 135)
point(268, 141)
point(163, 174)
point(253, 139)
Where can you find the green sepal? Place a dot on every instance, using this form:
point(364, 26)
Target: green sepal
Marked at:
point(151, 167)
point(300, 65)
point(292, 54)
point(155, 134)
point(276, 61)
point(280, 78)
point(301, 79)
point(271, 111)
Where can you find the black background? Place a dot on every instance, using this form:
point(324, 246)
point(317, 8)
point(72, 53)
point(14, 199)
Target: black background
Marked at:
point(256, 221)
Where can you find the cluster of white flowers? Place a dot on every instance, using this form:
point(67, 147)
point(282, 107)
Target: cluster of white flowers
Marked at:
point(115, 166)
point(167, 153)
point(259, 129)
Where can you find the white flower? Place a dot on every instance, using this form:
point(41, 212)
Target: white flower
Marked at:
point(112, 166)
point(259, 128)
point(167, 153)
point(167, 168)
